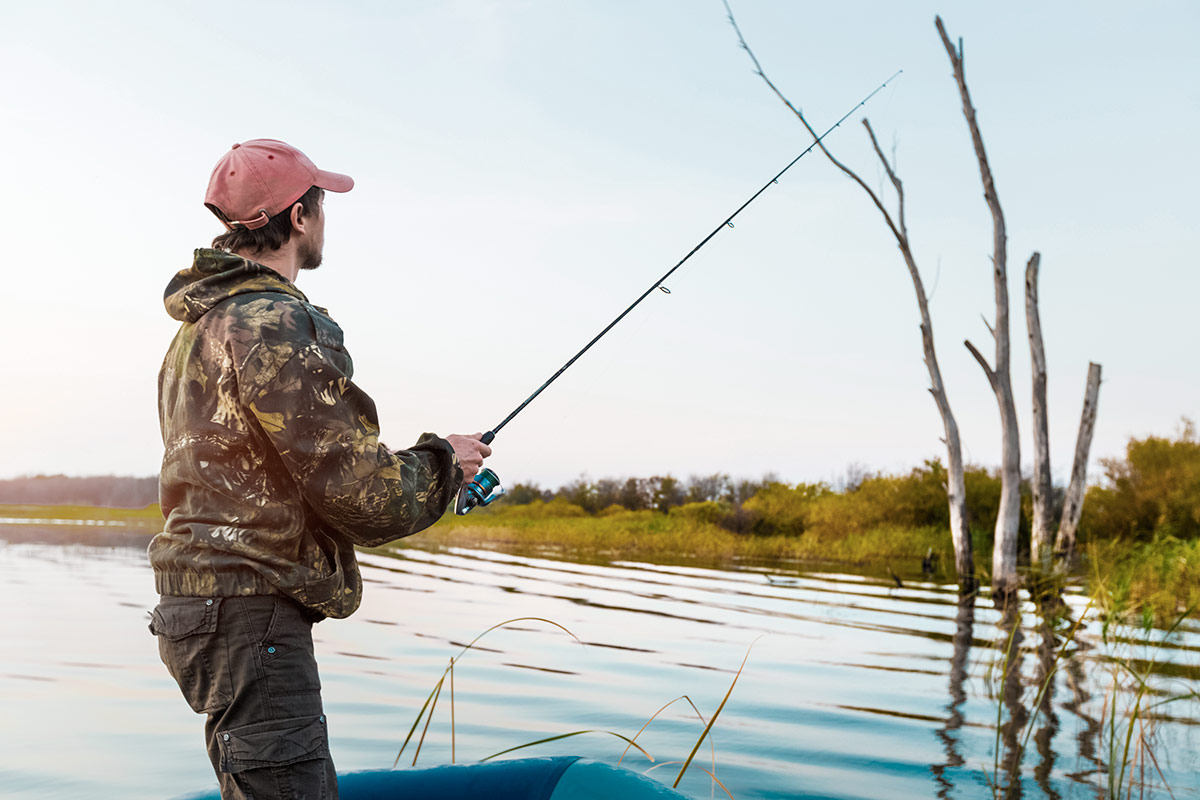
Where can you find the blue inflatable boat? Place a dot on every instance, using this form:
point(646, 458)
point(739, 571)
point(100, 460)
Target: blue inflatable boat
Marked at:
point(555, 778)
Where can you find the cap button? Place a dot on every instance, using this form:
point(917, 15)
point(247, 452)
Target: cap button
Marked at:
point(235, 147)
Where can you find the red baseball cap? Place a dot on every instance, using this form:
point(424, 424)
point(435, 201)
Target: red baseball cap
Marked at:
point(257, 179)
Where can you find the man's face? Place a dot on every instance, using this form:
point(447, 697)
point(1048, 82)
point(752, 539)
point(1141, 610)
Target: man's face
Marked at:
point(310, 247)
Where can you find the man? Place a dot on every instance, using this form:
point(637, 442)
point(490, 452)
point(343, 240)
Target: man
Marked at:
point(273, 471)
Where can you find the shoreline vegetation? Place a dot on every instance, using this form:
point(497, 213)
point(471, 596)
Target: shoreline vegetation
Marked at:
point(1139, 551)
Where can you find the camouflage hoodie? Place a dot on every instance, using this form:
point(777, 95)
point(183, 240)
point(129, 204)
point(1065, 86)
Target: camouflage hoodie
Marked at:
point(273, 469)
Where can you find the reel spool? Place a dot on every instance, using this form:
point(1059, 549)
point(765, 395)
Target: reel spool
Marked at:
point(482, 491)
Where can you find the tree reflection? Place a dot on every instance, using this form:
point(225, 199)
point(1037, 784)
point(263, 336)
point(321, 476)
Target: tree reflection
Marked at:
point(1024, 695)
point(1013, 697)
point(1089, 732)
point(1044, 682)
point(964, 632)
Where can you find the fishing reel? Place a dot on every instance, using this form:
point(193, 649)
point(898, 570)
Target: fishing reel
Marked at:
point(482, 491)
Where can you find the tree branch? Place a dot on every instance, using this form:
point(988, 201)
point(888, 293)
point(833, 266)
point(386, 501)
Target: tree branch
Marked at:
point(999, 237)
point(956, 486)
point(891, 173)
point(758, 70)
point(988, 325)
point(987, 370)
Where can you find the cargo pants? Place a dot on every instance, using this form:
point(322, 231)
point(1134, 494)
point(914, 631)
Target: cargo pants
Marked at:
point(248, 663)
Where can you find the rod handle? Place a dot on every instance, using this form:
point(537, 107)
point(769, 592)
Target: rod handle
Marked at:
point(488, 437)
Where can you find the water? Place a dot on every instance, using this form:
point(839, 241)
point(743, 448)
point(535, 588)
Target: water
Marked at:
point(853, 688)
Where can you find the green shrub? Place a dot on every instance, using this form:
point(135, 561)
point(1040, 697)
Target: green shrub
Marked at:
point(983, 497)
point(614, 510)
point(915, 500)
point(782, 509)
point(707, 512)
point(558, 508)
point(1153, 491)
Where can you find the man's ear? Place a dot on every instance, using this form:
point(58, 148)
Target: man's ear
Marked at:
point(298, 219)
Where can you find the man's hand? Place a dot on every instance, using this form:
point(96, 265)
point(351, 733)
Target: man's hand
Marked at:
point(471, 452)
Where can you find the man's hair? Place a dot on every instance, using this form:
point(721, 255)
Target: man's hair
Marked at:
point(272, 236)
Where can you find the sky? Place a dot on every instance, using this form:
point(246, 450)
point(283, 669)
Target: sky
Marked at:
point(525, 169)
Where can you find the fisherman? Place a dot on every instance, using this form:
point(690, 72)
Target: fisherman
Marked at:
point(273, 471)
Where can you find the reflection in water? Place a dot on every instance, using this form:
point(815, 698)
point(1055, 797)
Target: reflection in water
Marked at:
point(1018, 700)
point(1014, 701)
point(1036, 658)
point(845, 696)
point(1044, 684)
point(1091, 727)
point(948, 734)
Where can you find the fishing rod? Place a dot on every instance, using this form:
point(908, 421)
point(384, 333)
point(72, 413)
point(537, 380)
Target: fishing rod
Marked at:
point(480, 491)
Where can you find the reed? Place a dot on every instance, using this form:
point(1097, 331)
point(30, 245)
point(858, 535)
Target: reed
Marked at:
point(1145, 583)
point(428, 708)
point(1131, 714)
point(1137, 694)
point(430, 703)
point(713, 721)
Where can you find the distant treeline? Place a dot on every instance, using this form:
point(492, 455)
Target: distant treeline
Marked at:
point(112, 491)
point(863, 502)
point(1153, 492)
point(658, 493)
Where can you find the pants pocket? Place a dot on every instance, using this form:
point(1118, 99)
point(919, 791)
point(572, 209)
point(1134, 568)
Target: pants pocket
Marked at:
point(189, 646)
point(284, 758)
point(286, 654)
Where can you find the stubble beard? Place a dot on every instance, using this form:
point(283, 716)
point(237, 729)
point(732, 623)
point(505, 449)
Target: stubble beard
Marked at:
point(309, 256)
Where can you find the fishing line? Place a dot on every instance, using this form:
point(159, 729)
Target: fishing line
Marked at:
point(727, 222)
point(479, 491)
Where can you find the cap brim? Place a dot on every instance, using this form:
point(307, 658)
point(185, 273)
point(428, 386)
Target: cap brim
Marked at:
point(333, 181)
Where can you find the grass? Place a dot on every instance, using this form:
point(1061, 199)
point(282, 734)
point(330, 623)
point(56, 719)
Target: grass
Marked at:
point(96, 525)
point(149, 514)
point(1128, 733)
point(675, 536)
point(1141, 690)
point(1147, 583)
point(1141, 687)
point(430, 706)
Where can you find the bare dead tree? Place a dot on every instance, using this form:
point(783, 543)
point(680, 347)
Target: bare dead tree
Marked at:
point(1040, 548)
point(1073, 507)
point(956, 493)
point(1008, 520)
point(1039, 540)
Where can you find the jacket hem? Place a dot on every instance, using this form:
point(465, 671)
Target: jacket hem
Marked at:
point(231, 585)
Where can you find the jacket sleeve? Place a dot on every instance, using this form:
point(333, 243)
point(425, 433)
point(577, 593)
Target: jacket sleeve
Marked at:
point(326, 431)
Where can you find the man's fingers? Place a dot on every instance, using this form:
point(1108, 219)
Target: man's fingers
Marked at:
point(478, 450)
point(471, 442)
point(471, 452)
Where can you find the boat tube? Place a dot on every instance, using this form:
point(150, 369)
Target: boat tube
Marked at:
point(550, 778)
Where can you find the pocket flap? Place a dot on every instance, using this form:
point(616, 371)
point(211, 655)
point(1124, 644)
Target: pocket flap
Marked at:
point(273, 744)
point(179, 617)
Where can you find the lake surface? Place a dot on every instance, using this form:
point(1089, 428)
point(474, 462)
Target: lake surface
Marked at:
point(853, 688)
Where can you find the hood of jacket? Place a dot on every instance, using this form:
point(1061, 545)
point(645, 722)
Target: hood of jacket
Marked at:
point(214, 277)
